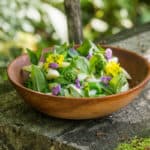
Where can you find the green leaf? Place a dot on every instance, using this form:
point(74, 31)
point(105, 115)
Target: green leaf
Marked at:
point(84, 48)
point(97, 63)
point(38, 54)
point(101, 49)
point(27, 68)
point(117, 82)
point(34, 56)
point(90, 86)
point(51, 85)
point(82, 64)
point(86, 89)
point(75, 92)
point(38, 79)
point(96, 86)
point(66, 93)
point(72, 52)
point(93, 62)
point(61, 48)
point(107, 89)
point(28, 83)
point(61, 80)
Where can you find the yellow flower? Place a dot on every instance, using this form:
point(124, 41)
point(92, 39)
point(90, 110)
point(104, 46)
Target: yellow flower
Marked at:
point(112, 68)
point(50, 59)
point(46, 65)
point(59, 59)
point(53, 58)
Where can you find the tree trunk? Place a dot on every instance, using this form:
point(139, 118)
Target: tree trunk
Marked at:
point(73, 12)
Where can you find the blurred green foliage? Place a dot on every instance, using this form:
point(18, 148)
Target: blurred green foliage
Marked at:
point(39, 23)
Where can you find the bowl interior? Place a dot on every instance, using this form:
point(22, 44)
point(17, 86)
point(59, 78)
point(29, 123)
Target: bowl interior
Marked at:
point(135, 65)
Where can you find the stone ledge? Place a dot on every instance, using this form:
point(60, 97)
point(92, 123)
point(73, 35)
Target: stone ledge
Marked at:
point(22, 127)
point(12, 137)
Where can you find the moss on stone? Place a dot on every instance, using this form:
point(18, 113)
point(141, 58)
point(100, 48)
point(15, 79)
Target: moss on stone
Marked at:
point(135, 144)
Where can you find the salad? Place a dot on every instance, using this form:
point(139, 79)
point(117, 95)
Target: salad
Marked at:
point(86, 71)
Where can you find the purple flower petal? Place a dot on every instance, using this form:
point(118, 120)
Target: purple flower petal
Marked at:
point(108, 53)
point(53, 65)
point(89, 56)
point(105, 79)
point(77, 82)
point(56, 89)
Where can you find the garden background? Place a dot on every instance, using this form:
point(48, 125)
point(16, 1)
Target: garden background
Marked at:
point(38, 24)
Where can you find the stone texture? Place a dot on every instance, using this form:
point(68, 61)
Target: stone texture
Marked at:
point(5, 87)
point(23, 128)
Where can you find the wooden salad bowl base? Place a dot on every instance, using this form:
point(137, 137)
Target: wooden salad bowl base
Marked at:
point(83, 108)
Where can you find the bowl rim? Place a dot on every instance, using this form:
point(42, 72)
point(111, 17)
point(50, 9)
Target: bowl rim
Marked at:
point(138, 86)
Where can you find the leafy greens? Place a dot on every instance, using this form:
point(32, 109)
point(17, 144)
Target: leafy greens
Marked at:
point(86, 71)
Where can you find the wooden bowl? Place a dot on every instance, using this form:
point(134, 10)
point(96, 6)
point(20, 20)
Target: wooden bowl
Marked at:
point(84, 108)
